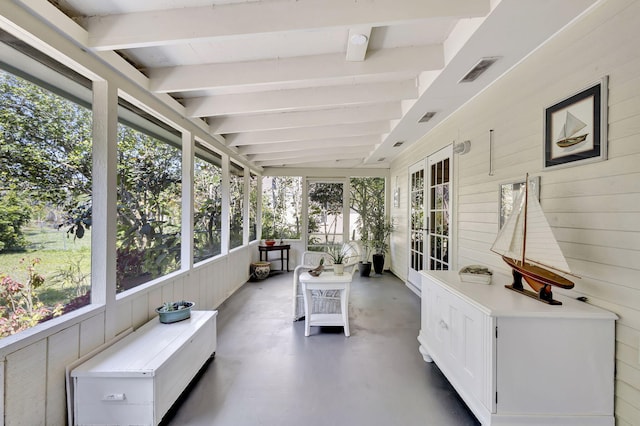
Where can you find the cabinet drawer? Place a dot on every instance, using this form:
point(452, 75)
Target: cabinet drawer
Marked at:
point(114, 400)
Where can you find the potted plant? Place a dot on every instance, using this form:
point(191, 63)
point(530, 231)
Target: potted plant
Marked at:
point(365, 265)
point(175, 311)
point(381, 230)
point(339, 255)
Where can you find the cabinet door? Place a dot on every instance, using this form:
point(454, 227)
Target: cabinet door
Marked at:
point(467, 349)
point(435, 320)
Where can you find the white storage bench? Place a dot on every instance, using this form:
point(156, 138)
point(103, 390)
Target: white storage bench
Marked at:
point(137, 380)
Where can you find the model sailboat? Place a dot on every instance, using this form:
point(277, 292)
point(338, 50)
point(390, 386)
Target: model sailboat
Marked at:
point(572, 125)
point(526, 243)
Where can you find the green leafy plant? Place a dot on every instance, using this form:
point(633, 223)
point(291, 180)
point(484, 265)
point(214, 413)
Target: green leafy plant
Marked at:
point(19, 306)
point(175, 306)
point(340, 254)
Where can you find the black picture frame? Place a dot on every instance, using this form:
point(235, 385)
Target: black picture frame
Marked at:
point(575, 128)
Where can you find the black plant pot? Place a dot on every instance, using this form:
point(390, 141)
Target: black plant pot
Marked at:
point(365, 269)
point(378, 263)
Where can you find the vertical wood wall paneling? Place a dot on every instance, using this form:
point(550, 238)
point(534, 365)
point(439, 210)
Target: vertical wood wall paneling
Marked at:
point(91, 334)
point(592, 208)
point(26, 385)
point(64, 348)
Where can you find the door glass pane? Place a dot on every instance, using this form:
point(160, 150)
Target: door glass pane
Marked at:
point(439, 215)
point(417, 220)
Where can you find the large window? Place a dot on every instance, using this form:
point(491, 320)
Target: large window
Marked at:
point(236, 204)
point(253, 207)
point(367, 202)
point(207, 195)
point(326, 218)
point(45, 192)
point(149, 200)
point(281, 207)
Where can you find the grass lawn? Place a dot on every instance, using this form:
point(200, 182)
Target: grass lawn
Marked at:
point(56, 253)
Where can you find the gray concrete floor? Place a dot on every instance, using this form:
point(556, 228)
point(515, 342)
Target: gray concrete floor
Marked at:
point(267, 373)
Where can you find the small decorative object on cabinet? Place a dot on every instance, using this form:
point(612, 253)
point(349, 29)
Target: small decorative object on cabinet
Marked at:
point(475, 274)
point(174, 311)
point(515, 361)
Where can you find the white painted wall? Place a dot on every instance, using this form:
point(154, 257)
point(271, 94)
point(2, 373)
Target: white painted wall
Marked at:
point(593, 209)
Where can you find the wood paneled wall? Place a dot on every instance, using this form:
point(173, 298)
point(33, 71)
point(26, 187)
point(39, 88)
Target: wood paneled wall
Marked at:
point(34, 373)
point(594, 209)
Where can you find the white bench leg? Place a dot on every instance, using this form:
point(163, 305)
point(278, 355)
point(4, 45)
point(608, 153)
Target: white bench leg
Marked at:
point(345, 310)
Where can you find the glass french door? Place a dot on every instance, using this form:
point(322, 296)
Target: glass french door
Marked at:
point(417, 223)
point(439, 210)
point(429, 215)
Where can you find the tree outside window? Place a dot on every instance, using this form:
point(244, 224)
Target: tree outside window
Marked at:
point(149, 208)
point(45, 203)
point(236, 204)
point(281, 207)
point(207, 194)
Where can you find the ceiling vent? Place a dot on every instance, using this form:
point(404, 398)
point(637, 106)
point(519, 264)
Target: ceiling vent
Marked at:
point(382, 158)
point(479, 69)
point(428, 116)
point(397, 144)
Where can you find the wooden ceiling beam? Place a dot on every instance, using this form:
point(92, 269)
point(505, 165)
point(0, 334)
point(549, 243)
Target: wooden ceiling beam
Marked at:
point(301, 99)
point(185, 25)
point(317, 70)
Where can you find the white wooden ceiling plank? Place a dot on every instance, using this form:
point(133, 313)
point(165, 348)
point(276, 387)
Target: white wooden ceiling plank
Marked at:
point(183, 25)
point(290, 135)
point(329, 156)
point(301, 99)
point(271, 73)
point(354, 141)
point(287, 120)
point(315, 152)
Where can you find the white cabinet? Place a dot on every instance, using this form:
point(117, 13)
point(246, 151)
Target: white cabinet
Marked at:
point(514, 360)
point(137, 380)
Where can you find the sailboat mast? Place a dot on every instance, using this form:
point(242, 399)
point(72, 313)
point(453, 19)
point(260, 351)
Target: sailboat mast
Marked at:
point(524, 228)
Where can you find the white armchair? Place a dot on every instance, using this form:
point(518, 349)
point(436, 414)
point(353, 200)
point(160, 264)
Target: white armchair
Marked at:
point(324, 301)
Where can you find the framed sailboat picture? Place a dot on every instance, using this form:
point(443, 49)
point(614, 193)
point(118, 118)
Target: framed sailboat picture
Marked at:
point(575, 129)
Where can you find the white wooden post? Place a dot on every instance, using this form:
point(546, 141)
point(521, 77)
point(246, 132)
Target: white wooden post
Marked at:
point(104, 202)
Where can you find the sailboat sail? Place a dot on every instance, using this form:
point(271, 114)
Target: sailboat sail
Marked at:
point(568, 134)
point(571, 126)
point(541, 246)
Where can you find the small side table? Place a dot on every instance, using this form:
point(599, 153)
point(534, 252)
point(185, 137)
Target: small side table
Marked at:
point(284, 254)
point(326, 281)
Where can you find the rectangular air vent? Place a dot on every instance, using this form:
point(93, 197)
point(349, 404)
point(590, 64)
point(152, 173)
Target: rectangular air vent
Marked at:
point(397, 144)
point(428, 116)
point(382, 158)
point(479, 69)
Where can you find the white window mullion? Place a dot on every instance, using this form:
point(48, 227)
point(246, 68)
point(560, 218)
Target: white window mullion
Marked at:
point(226, 203)
point(186, 246)
point(104, 201)
point(245, 206)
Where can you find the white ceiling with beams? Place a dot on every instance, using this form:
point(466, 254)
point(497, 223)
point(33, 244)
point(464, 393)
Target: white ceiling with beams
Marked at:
point(319, 83)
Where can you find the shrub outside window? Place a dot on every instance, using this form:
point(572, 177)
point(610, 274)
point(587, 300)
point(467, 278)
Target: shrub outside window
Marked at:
point(236, 204)
point(45, 200)
point(281, 207)
point(149, 204)
point(207, 196)
point(253, 207)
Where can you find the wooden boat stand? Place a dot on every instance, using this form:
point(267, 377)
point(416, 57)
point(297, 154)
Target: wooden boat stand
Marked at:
point(545, 295)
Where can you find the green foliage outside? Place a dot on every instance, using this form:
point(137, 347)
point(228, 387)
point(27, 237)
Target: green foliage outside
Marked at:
point(281, 207)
